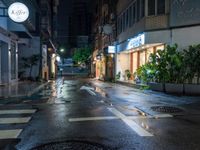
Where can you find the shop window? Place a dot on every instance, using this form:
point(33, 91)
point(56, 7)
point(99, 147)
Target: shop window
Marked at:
point(149, 52)
point(160, 47)
point(142, 58)
point(135, 61)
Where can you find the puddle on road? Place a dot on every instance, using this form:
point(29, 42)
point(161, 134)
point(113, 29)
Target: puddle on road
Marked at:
point(101, 92)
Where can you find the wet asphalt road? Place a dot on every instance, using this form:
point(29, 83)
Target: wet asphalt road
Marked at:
point(70, 110)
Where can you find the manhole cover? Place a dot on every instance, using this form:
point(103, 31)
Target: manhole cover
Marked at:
point(71, 145)
point(166, 109)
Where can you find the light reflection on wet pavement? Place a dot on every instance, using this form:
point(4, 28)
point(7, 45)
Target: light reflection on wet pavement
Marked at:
point(94, 122)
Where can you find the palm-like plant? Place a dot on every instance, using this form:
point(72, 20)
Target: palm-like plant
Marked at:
point(192, 63)
point(29, 62)
point(174, 62)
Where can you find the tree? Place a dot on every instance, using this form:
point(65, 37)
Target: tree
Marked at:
point(81, 55)
point(29, 62)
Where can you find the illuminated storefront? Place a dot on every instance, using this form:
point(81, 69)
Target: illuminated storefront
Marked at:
point(135, 53)
point(104, 63)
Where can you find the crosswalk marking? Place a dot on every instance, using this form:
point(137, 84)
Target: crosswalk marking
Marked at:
point(10, 134)
point(22, 111)
point(13, 133)
point(14, 120)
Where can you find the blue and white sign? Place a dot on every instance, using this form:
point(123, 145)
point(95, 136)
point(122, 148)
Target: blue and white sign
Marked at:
point(136, 41)
point(111, 49)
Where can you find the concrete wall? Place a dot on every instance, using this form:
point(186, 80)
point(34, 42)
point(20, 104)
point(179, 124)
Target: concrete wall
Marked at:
point(184, 12)
point(186, 36)
point(26, 50)
point(162, 36)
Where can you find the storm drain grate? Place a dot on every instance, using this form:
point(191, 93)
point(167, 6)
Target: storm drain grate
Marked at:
point(166, 109)
point(72, 145)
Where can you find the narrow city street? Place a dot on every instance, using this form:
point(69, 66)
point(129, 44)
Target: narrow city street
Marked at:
point(74, 113)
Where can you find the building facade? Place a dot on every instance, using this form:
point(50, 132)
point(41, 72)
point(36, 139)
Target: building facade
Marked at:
point(104, 37)
point(26, 39)
point(145, 26)
point(48, 34)
point(10, 44)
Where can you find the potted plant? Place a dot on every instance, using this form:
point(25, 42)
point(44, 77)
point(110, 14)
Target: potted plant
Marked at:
point(192, 70)
point(153, 73)
point(118, 76)
point(29, 63)
point(128, 74)
point(158, 63)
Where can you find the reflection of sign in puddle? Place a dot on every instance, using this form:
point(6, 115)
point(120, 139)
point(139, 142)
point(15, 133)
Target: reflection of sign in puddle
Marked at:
point(126, 93)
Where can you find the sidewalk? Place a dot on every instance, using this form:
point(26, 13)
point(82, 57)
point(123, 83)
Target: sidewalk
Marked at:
point(18, 89)
point(144, 100)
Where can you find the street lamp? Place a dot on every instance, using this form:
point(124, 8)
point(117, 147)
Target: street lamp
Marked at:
point(62, 50)
point(58, 58)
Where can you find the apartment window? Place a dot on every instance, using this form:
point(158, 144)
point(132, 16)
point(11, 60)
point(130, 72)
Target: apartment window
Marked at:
point(160, 7)
point(151, 7)
point(142, 8)
point(138, 10)
point(123, 22)
point(156, 7)
point(133, 13)
point(127, 19)
point(130, 16)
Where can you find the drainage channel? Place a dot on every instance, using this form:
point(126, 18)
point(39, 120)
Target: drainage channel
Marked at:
point(72, 145)
point(166, 109)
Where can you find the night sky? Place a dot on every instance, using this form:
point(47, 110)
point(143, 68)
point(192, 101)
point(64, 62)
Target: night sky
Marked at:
point(68, 23)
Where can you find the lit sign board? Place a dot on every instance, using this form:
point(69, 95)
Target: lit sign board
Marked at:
point(18, 12)
point(136, 41)
point(111, 49)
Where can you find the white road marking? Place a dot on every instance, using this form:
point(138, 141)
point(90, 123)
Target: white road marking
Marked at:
point(90, 92)
point(89, 89)
point(115, 117)
point(10, 134)
point(14, 120)
point(86, 87)
point(134, 126)
point(92, 118)
point(22, 111)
